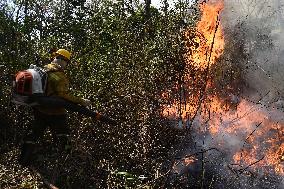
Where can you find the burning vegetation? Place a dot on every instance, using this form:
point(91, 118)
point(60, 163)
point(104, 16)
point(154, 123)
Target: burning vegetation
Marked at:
point(209, 100)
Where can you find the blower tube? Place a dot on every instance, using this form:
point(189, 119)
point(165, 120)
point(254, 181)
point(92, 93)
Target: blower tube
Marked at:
point(60, 102)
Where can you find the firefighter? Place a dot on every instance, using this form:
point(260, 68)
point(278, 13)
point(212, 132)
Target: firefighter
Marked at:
point(54, 118)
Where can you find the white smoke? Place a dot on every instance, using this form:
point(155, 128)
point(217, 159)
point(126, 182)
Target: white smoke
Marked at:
point(263, 24)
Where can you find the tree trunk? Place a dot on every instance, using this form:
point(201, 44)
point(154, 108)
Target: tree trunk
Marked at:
point(166, 6)
point(147, 9)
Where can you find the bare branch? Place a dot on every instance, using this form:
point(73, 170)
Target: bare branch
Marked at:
point(253, 131)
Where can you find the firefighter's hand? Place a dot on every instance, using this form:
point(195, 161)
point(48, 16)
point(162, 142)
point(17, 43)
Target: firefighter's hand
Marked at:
point(86, 102)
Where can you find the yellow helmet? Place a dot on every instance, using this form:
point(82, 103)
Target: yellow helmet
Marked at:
point(64, 53)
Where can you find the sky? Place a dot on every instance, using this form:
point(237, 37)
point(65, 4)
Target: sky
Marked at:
point(158, 3)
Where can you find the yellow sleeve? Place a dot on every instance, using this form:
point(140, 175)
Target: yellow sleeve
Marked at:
point(60, 85)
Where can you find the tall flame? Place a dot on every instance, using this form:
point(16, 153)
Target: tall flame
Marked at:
point(209, 36)
point(207, 47)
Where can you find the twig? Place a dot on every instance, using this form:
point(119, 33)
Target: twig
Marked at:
point(233, 170)
point(253, 131)
point(201, 152)
point(203, 90)
point(242, 170)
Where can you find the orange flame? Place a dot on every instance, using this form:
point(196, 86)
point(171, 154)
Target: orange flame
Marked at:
point(259, 137)
point(188, 161)
point(209, 36)
point(210, 46)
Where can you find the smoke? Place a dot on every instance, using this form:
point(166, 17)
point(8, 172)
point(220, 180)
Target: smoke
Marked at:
point(261, 28)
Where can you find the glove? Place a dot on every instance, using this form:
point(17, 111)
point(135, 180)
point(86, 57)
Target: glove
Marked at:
point(86, 102)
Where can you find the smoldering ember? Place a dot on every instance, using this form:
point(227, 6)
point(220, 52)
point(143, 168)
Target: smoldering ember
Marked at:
point(186, 95)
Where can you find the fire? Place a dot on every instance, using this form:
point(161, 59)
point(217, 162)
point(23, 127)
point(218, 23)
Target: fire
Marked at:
point(181, 165)
point(188, 161)
point(210, 40)
point(251, 132)
point(245, 130)
point(209, 35)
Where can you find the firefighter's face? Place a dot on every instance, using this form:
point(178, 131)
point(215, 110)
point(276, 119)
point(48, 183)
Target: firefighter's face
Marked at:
point(60, 61)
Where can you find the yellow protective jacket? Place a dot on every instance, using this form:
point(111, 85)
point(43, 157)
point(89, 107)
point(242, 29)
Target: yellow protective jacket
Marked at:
point(57, 85)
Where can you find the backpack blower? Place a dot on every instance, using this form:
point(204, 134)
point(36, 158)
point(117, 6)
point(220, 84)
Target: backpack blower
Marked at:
point(29, 89)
